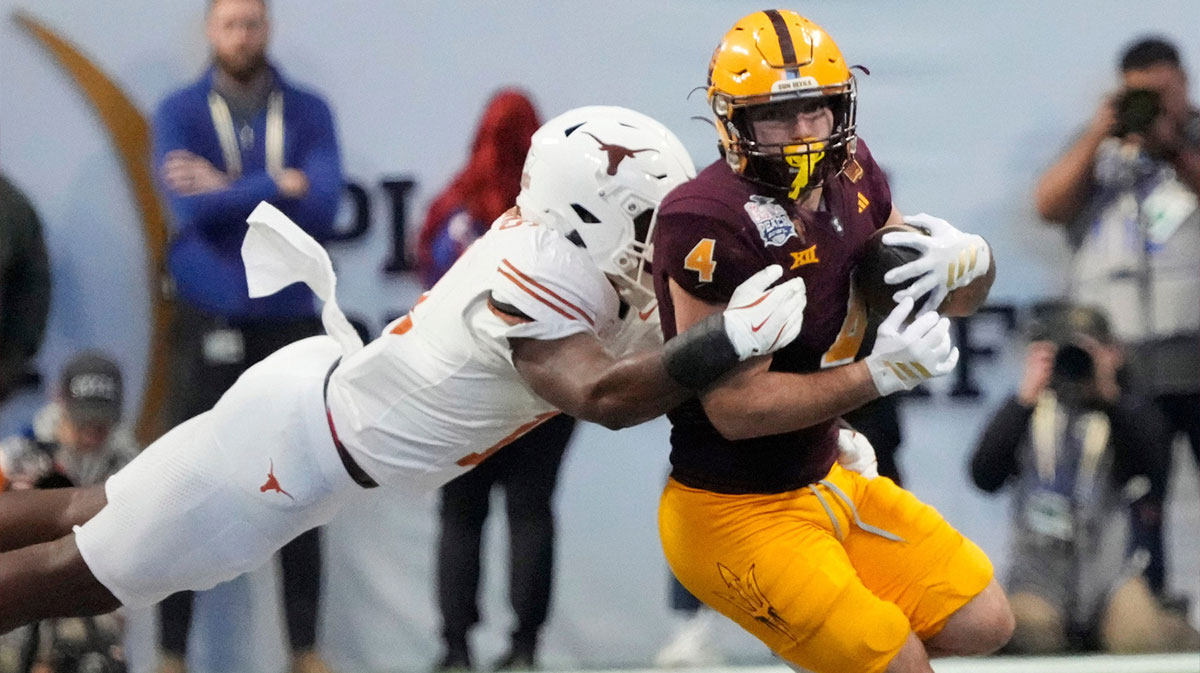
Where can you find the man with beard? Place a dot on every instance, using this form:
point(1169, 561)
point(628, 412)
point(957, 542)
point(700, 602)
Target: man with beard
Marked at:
point(1127, 194)
point(239, 135)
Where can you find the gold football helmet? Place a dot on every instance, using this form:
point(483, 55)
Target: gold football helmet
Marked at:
point(776, 63)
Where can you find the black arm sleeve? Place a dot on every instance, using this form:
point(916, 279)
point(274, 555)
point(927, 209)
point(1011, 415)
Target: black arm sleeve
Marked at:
point(995, 457)
point(701, 354)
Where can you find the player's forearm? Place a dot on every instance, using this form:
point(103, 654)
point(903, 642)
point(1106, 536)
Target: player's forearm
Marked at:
point(1062, 191)
point(769, 403)
point(632, 390)
point(581, 379)
point(36, 516)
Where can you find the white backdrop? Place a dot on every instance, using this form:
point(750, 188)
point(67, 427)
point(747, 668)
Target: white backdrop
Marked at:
point(966, 103)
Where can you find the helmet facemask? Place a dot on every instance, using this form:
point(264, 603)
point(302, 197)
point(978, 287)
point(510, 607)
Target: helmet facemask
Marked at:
point(799, 165)
point(772, 59)
point(625, 263)
point(631, 270)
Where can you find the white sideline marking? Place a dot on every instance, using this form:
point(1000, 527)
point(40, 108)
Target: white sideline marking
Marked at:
point(1188, 662)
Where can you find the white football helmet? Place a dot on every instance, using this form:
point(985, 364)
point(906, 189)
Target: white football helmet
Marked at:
point(597, 174)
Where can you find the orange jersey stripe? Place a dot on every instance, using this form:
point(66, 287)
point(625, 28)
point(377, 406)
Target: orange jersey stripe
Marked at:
point(477, 458)
point(550, 292)
point(535, 295)
point(403, 326)
point(407, 323)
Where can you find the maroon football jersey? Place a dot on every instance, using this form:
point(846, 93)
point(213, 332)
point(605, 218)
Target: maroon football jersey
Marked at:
point(717, 230)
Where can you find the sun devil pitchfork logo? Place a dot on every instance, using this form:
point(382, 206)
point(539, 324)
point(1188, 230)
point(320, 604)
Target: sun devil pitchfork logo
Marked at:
point(746, 596)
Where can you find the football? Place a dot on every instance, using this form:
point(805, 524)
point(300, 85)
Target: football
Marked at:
point(876, 259)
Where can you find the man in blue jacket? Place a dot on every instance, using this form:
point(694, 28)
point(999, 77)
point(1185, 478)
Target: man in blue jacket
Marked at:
point(239, 135)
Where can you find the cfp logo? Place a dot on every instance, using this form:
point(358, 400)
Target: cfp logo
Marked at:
point(93, 386)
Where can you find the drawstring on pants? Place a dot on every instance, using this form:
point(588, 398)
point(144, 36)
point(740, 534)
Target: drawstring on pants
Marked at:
point(837, 526)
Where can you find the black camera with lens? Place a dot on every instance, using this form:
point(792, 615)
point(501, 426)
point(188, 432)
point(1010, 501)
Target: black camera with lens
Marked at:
point(1073, 364)
point(1136, 110)
point(1068, 326)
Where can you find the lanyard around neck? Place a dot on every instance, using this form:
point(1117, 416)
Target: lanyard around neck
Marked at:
point(227, 136)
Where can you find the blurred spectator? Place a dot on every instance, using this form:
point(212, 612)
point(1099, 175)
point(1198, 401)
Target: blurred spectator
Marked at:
point(1126, 189)
point(75, 440)
point(692, 642)
point(527, 469)
point(24, 288)
point(486, 187)
point(239, 135)
point(1077, 447)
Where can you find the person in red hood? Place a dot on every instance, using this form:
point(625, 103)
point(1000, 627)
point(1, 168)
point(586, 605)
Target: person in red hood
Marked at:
point(486, 187)
point(527, 469)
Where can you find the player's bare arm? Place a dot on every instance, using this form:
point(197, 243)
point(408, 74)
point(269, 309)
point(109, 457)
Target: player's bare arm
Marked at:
point(895, 217)
point(34, 516)
point(42, 573)
point(754, 401)
point(49, 580)
point(578, 376)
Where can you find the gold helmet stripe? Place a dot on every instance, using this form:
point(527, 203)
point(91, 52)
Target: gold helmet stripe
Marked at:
point(787, 48)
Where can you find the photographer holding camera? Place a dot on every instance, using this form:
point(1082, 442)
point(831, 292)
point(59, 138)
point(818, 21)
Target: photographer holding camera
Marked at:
point(1079, 450)
point(1127, 190)
point(76, 439)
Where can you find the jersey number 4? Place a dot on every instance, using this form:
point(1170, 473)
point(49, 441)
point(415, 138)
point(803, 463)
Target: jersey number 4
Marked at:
point(700, 259)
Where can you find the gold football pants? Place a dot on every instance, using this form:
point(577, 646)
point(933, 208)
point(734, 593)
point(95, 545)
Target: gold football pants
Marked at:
point(831, 577)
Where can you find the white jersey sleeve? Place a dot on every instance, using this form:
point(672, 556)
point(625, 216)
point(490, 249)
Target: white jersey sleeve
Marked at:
point(548, 279)
point(438, 392)
point(639, 331)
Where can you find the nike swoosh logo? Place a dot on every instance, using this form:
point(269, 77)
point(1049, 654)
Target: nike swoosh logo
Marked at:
point(645, 315)
point(755, 328)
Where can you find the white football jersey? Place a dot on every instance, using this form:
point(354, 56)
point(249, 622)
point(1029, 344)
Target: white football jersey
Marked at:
point(437, 392)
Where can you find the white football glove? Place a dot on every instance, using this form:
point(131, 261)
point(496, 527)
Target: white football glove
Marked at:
point(949, 259)
point(856, 454)
point(906, 355)
point(760, 321)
